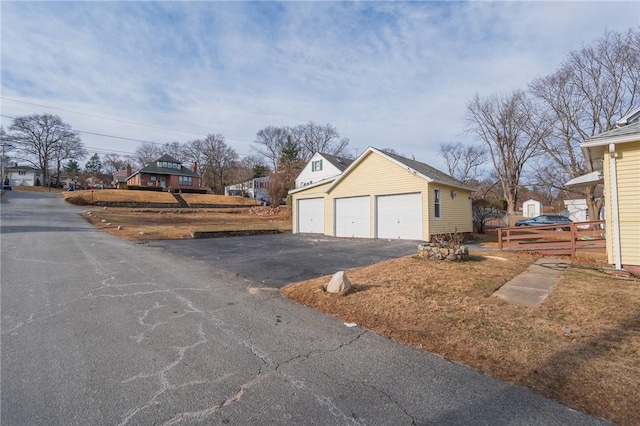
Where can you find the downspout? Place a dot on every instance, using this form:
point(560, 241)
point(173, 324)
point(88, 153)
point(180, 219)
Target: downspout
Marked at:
point(614, 205)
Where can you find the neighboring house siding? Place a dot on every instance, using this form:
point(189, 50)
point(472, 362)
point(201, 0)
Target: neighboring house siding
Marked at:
point(315, 192)
point(628, 173)
point(309, 176)
point(375, 175)
point(628, 177)
point(455, 213)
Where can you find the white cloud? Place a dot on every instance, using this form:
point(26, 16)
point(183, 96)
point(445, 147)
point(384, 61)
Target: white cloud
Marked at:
point(385, 74)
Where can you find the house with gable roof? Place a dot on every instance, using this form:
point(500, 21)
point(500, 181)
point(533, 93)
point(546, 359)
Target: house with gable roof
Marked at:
point(383, 195)
point(320, 167)
point(166, 172)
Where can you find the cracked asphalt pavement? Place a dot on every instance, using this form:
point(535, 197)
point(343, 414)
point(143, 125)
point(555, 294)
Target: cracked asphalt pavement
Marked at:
point(106, 332)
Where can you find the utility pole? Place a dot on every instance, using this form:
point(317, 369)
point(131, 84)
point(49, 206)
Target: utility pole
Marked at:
point(4, 145)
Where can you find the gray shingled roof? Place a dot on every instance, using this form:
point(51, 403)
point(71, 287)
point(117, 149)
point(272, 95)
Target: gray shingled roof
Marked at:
point(430, 172)
point(168, 158)
point(629, 129)
point(339, 162)
point(153, 168)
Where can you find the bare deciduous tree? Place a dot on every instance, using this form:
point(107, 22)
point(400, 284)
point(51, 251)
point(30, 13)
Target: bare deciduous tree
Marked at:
point(218, 160)
point(595, 86)
point(507, 125)
point(113, 162)
point(309, 138)
point(69, 149)
point(147, 152)
point(312, 138)
point(464, 162)
point(176, 150)
point(269, 143)
point(39, 140)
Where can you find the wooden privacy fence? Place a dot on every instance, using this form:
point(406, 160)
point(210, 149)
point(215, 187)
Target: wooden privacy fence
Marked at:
point(552, 239)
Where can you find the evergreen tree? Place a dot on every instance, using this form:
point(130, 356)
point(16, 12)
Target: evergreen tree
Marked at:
point(72, 167)
point(94, 165)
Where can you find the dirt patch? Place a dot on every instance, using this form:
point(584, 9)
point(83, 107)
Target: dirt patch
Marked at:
point(580, 347)
point(162, 224)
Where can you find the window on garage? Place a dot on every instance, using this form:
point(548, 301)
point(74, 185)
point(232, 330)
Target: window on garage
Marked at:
point(436, 203)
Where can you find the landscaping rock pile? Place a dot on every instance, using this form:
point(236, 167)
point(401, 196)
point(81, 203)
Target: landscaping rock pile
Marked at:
point(438, 252)
point(264, 211)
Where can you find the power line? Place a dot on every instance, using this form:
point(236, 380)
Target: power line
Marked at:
point(101, 117)
point(114, 119)
point(113, 137)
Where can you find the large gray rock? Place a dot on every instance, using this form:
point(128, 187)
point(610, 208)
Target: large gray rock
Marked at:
point(339, 283)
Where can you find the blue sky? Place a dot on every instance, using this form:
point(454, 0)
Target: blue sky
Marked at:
point(385, 74)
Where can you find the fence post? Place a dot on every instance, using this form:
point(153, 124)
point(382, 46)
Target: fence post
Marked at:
point(500, 238)
point(574, 237)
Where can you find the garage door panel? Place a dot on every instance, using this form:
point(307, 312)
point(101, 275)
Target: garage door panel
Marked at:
point(311, 216)
point(399, 216)
point(353, 217)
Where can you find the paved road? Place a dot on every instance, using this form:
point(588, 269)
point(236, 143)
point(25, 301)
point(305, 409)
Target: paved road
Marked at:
point(97, 331)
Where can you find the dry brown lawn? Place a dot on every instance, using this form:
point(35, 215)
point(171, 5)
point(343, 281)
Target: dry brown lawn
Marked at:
point(162, 224)
point(218, 199)
point(127, 196)
point(118, 195)
point(580, 347)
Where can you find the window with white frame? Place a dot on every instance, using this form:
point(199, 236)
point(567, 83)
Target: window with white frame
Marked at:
point(436, 203)
point(22, 172)
point(152, 178)
point(185, 180)
point(316, 166)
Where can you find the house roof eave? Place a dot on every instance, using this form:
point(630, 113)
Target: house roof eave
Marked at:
point(313, 185)
point(399, 163)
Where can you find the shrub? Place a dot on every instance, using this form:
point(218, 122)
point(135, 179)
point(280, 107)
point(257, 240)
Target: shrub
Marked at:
point(192, 191)
point(145, 188)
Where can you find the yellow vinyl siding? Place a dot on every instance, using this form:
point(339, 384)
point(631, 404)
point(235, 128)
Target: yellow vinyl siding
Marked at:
point(313, 192)
point(628, 177)
point(455, 213)
point(628, 165)
point(375, 175)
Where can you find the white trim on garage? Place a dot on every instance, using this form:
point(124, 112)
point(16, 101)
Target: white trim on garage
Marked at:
point(353, 217)
point(399, 216)
point(311, 215)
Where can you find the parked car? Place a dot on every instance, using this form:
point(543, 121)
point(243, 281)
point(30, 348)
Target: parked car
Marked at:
point(546, 219)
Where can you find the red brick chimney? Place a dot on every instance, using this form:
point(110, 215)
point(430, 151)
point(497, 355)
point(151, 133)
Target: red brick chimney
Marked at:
point(128, 170)
point(195, 167)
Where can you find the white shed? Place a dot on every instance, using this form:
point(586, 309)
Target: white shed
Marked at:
point(531, 208)
point(577, 209)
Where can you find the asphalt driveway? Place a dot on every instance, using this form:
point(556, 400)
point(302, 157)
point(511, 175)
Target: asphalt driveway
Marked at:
point(281, 259)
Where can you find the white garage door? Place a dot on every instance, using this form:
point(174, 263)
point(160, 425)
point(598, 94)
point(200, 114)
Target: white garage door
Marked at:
point(353, 217)
point(311, 216)
point(399, 216)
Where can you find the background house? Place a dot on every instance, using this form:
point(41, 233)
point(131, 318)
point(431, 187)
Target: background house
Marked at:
point(66, 180)
point(382, 195)
point(166, 172)
point(617, 154)
point(253, 188)
point(119, 180)
point(321, 167)
point(23, 176)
